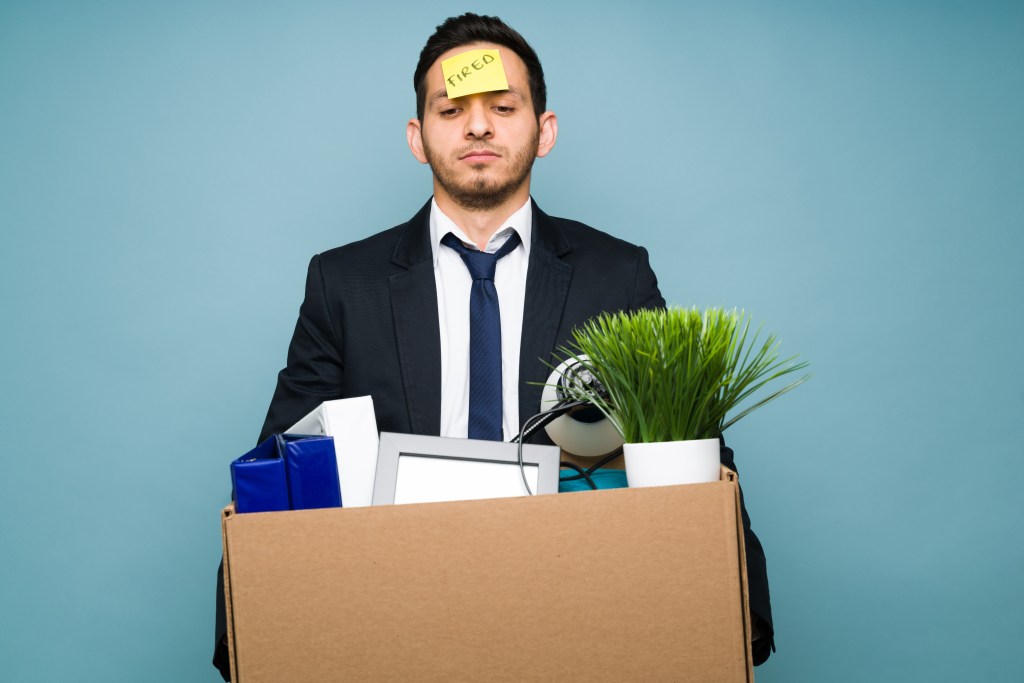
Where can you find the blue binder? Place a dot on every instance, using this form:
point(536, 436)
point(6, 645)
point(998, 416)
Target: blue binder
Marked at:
point(312, 468)
point(287, 472)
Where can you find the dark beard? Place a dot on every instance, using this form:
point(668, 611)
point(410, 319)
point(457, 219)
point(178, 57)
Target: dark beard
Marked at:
point(480, 194)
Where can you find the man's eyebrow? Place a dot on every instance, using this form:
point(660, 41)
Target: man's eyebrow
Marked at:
point(442, 94)
point(517, 92)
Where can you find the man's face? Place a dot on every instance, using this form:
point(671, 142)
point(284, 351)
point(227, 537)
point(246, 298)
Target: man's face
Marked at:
point(481, 147)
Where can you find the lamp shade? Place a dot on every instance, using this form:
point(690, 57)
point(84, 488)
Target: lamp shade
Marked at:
point(580, 433)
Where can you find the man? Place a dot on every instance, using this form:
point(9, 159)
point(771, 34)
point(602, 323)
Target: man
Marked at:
point(395, 315)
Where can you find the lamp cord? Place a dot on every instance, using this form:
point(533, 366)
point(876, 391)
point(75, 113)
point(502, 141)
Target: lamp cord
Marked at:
point(544, 417)
point(587, 473)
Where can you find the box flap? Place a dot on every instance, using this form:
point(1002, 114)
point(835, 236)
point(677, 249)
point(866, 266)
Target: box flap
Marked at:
point(225, 515)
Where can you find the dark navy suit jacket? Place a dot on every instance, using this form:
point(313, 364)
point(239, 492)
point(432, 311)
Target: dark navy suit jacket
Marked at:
point(368, 326)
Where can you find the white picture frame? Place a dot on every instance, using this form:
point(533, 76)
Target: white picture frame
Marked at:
point(425, 469)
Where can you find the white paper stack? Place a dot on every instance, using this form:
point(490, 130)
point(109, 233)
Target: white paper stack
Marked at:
point(353, 424)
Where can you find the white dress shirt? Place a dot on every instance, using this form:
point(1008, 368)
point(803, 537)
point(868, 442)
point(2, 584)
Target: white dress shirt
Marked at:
point(454, 284)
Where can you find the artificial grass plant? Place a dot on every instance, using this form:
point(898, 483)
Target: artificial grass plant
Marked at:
point(677, 374)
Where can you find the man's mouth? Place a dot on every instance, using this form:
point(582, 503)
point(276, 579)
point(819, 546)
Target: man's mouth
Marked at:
point(479, 155)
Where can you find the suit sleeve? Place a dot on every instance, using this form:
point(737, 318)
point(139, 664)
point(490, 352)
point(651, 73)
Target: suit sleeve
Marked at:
point(315, 370)
point(314, 374)
point(645, 285)
point(647, 295)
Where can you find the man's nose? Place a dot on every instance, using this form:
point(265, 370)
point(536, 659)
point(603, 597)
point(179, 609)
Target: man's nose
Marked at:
point(478, 122)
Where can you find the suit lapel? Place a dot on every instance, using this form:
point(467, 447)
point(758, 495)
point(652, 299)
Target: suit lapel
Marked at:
point(547, 286)
point(418, 335)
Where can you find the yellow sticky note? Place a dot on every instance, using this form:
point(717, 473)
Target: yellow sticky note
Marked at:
point(473, 71)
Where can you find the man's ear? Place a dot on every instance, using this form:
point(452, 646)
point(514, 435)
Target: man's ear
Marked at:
point(548, 133)
point(414, 134)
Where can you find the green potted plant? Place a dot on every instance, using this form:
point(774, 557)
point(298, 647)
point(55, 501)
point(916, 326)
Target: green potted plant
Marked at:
point(672, 380)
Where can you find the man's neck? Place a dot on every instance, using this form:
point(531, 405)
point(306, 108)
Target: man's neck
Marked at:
point(481, 224)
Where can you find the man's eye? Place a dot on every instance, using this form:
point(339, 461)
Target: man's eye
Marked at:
point(504, 110)
point(448, 113)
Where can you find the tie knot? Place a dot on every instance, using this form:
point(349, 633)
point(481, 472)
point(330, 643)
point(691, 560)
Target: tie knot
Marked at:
point(481, 265)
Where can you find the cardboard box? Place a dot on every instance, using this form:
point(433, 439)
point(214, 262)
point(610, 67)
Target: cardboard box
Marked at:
point(637, 584)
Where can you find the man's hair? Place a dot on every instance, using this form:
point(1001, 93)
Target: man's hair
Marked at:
point(473, 28)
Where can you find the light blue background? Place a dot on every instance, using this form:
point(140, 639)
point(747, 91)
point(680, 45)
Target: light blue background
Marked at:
point(849, 172)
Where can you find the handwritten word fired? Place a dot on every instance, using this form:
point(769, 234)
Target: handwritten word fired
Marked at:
point(473, 71)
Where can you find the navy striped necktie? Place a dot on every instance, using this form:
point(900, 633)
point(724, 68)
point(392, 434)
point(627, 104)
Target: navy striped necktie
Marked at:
point(484, 337)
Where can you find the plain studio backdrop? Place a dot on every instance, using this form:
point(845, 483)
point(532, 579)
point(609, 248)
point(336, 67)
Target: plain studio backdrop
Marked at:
point(848, 172)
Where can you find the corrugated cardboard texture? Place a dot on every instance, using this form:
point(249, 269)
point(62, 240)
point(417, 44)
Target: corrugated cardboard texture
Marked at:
point(637, 584)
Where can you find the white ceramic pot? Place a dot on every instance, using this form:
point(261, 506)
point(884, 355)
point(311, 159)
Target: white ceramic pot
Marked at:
point(672, 462)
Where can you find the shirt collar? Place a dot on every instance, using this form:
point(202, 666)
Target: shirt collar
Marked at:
point(521, 222)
